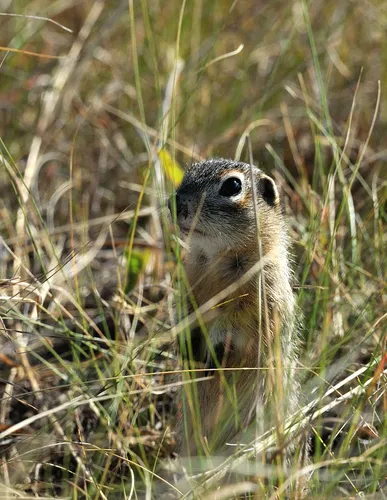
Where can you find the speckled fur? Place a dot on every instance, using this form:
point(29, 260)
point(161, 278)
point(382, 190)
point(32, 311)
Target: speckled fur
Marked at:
point(223, 246)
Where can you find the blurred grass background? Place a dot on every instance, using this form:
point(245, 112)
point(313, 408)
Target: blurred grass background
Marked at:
point(90, 93)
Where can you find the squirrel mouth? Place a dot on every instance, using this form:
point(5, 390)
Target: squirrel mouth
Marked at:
point(185, 230)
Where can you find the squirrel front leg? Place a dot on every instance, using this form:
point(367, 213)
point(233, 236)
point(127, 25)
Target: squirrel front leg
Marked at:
point(191, 345)
point(217, 355)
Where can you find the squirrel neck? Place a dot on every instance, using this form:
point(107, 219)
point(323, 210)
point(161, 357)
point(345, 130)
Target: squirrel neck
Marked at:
point(210, 272)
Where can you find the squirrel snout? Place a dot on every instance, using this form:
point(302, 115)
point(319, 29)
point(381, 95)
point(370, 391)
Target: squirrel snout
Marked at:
point(181, 206)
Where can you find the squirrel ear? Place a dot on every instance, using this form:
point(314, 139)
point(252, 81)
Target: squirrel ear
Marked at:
point(268, 190)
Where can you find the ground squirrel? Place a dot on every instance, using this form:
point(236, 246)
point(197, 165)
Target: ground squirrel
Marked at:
point(242, 285)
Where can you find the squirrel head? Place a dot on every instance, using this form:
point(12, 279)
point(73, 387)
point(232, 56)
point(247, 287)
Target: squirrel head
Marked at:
point(215, 204)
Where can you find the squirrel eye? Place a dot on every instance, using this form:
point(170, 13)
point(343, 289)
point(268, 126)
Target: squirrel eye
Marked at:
point(231, 187)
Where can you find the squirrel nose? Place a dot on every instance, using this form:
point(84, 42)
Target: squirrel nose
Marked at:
point(181, 206)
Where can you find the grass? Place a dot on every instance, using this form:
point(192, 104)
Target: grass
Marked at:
point(89, 266)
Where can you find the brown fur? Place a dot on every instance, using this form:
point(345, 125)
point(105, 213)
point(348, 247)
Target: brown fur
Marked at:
point(220, 409)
